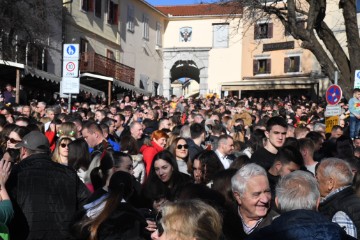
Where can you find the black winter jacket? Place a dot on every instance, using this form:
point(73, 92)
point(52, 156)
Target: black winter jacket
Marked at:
point(301, 225)
point(124, 223)
point(46, 195)
point(346, 201)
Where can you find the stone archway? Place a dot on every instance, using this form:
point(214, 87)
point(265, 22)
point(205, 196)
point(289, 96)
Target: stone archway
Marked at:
point(194, 60)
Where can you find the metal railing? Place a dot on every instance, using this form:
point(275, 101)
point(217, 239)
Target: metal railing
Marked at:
point(95, 63)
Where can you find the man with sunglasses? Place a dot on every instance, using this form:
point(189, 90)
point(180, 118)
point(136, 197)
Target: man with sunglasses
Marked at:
point(46, 194)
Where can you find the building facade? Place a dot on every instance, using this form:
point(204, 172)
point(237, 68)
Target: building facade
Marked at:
point(141, 41)
point(274, 60)
point(204, 43)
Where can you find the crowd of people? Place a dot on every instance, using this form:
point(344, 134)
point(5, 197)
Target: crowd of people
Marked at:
point(196, 168)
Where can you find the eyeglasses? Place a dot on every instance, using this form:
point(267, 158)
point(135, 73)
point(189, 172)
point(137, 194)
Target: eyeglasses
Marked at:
point(64, 145)
point(181, 146)
point(11, 140)
point(159, 225)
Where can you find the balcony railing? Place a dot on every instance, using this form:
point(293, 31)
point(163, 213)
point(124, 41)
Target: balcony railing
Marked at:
point(94, 63)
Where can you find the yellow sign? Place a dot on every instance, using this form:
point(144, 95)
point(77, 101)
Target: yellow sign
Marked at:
point(330, 122)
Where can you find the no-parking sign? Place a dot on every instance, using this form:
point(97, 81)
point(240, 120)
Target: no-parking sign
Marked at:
point(333, 94)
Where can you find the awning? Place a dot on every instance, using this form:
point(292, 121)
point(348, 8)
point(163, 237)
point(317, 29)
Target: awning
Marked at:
point(116, 82)
point(91, 90)
point(56, 79)
point(41, 74)
point(270, 84)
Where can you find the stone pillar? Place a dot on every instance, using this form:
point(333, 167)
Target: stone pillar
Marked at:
point(166, 83)
point(203, 85)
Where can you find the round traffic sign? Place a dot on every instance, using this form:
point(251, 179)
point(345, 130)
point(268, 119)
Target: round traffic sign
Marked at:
point(333, 94)
point(71, 50)
point(70, 66)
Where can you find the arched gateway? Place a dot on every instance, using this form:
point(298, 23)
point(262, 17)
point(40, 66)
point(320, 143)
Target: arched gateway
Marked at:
point(185, 62)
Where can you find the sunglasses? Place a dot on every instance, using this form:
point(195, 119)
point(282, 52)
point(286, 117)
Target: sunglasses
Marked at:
point(64, 145)
point(181, 146)
point(13, 141)
point(159, 226)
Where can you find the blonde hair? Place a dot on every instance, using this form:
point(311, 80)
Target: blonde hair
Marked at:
point(56, 154)
point(67, 129)
point(191, 219)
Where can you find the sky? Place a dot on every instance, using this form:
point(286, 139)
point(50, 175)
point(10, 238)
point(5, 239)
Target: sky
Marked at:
point(174, 2)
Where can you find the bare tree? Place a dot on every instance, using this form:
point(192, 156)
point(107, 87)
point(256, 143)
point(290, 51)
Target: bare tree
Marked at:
point(27, 25)
point(315, 34)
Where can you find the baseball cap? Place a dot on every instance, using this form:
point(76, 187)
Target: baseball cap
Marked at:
point(36, 141)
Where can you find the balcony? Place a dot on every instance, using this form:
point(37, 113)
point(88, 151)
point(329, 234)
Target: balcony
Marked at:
point(94, 63)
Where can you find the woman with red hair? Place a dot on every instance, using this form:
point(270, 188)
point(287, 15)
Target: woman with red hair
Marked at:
point(157, 144)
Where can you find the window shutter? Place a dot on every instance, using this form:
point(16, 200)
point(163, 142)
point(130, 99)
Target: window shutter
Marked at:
point(91, 5)
point(286, 64)
point(84, 5)
point(115, 12)
point(111, 12)
point(297, 64)
point(255, 67)
point(256, 31)
point(270, 30)
point(106, 10)
point(98, 8)
point(268, 65)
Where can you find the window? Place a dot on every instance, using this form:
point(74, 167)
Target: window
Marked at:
point(130, 19)
point(84, 45)
point(220, 35)
point(113, 13)
point(44, 61)
point(35, 56)
point(358, 6)
point(263, 30)
point(145, 27)
point(262, 66)
point(292, 64)
point(98, 8)
point(158, 34)
point(110, 54)
point(87, 5)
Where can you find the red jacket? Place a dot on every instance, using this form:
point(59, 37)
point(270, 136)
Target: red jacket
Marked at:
point(51, 136)
point(149, 152)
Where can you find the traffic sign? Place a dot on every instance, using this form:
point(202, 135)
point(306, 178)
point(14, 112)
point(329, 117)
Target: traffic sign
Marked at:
point(333, 94)
point(330, 122)
point(71, 52)
point(70, 69)
point(357, 79)
point(332, 110)
point(70, 85)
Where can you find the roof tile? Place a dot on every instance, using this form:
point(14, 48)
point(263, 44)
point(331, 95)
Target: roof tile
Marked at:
point(200, 9)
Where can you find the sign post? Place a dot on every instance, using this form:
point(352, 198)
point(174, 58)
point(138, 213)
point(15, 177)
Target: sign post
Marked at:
point(357, 79)
point(70, 81)
point(333, 110)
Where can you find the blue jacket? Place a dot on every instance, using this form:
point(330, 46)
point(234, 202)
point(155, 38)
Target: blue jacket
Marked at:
point(301, 225)
point(354, 106)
